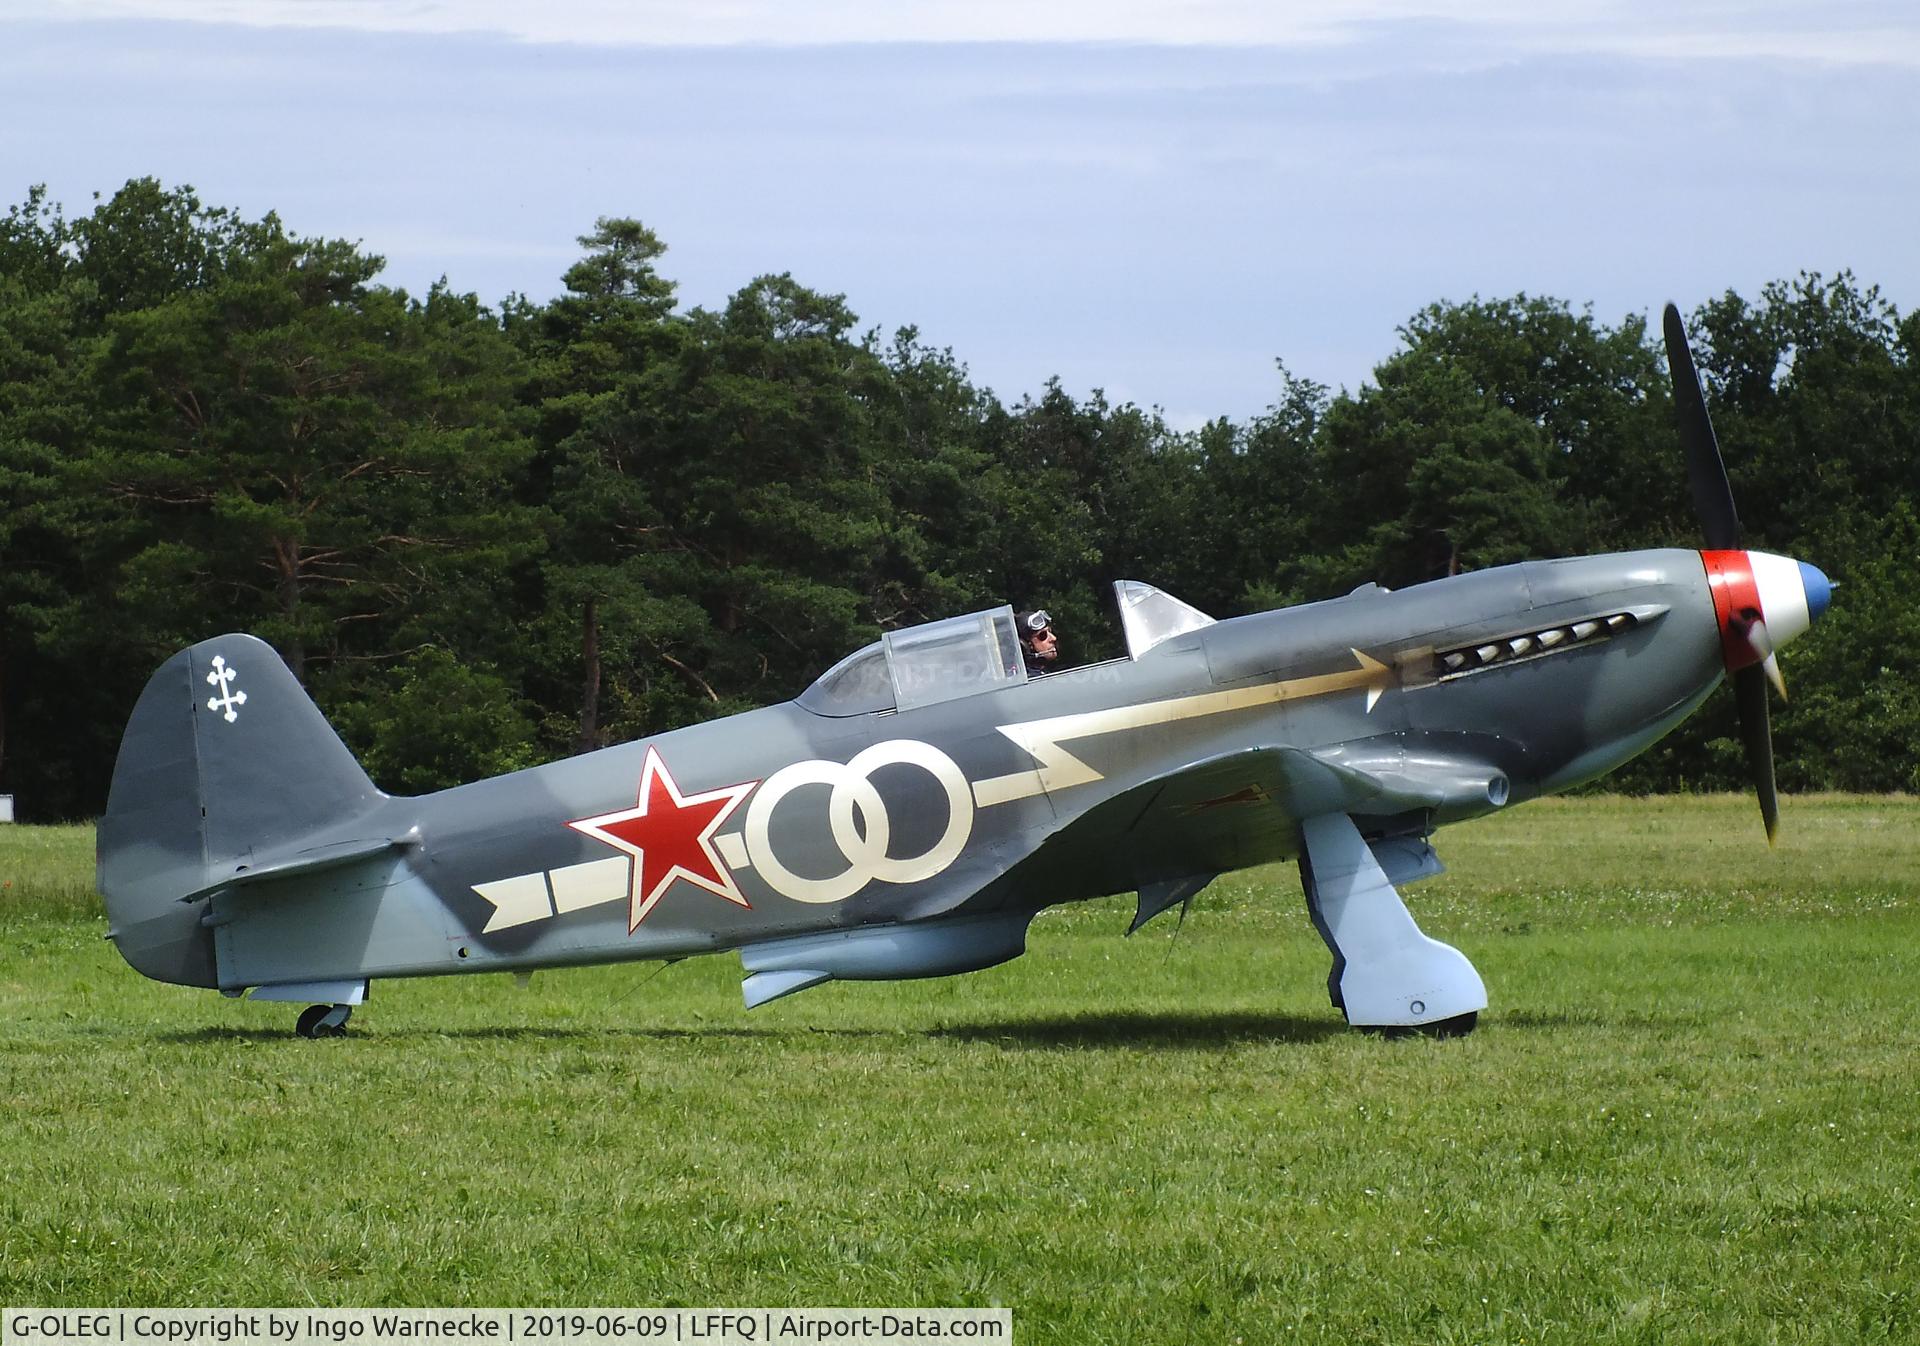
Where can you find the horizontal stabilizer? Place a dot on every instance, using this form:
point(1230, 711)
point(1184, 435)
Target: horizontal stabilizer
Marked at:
point(309, 861)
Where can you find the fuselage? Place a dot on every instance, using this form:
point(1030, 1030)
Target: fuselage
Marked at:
point(1485, 690)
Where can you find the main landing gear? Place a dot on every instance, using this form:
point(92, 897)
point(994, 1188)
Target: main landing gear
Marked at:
point(1387, 977)
point(323, 1021)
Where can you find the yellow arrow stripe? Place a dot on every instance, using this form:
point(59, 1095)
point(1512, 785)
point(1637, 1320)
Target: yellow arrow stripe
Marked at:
point(1060, 769)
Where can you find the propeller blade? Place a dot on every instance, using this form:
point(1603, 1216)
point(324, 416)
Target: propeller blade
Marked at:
point(1750, 696)
point(1706, 472)
point(1772, 669)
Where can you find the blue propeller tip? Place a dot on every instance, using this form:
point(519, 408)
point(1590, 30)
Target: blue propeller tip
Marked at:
point(1819, 589)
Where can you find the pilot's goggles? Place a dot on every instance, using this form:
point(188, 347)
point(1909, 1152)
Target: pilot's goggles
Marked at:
point(1038, 622)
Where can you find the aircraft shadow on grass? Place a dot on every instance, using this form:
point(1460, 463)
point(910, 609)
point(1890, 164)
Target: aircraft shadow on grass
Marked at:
point(1195, 1030)
point(1201, 1031)
point(1198, 1031)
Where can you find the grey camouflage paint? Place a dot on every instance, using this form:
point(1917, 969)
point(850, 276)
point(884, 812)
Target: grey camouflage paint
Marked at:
point(246, 852)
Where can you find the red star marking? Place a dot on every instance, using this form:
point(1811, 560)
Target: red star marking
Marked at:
point(670, 836)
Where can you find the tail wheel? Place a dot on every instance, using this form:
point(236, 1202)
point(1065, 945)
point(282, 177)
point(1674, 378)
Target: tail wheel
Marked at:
point(323, 1021)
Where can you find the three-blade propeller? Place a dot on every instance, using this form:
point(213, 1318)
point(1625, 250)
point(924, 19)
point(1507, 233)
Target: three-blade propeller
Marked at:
point(1713, 502)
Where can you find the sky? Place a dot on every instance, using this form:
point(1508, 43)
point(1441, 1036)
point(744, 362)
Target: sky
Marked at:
point(1159, 200)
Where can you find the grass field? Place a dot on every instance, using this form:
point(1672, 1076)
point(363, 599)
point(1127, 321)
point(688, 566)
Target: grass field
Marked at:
point(1691, 1114)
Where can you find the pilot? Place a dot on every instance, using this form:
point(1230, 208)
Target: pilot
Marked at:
point(1039, 646)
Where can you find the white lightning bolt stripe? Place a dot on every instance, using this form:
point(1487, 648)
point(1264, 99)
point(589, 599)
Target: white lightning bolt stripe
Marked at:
point(1059, 769)
point(525, 898)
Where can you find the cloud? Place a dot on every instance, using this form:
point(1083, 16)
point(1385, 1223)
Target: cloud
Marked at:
point(727, 22)
point(1845, 31)
point(1160, 220)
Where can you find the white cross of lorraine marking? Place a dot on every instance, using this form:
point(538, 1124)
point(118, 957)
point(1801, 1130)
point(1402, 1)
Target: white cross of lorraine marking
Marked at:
point(222, 677)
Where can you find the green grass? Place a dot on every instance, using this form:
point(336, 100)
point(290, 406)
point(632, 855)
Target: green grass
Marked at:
point(1691, 1114)
point(46, 871)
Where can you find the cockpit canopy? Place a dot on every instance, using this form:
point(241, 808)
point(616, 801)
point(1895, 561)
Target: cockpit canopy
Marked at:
point(857, 685)
point(923, 665)
point(980, 652)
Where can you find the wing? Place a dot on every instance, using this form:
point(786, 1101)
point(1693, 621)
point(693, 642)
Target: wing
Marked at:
point(1228, 812)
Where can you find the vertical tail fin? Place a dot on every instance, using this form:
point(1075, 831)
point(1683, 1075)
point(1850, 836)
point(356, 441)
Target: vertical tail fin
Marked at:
point(225, 759)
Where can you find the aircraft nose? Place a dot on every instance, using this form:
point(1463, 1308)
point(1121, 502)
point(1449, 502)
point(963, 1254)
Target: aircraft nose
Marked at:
point(1791, 593)
point(1762, 601)
point(1819, 590)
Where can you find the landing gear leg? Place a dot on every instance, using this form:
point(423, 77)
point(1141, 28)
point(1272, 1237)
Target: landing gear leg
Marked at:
point(1386, 974)
point(323, 1021)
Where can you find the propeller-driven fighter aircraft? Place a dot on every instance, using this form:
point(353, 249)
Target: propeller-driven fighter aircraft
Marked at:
point(909, 813)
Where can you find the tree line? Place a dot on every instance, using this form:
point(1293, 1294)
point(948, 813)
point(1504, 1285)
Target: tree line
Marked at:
point(488, 535)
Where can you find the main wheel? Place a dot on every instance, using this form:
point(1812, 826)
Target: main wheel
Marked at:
point(1457, 1027)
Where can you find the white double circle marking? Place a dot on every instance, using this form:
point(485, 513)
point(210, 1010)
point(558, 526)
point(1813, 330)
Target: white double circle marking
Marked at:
point(857, 816)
